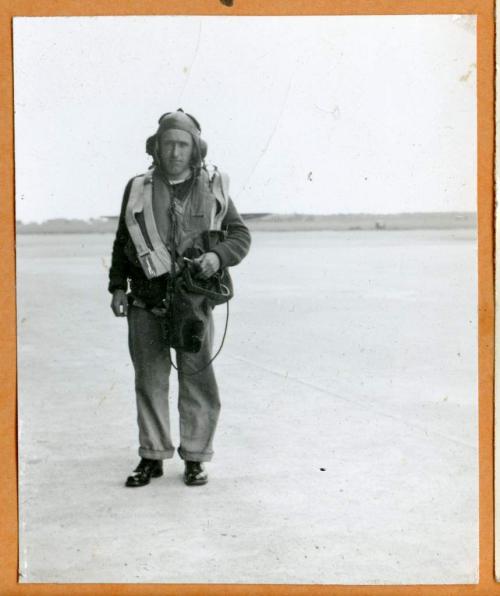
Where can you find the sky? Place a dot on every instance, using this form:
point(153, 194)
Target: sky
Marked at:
point(361, 114)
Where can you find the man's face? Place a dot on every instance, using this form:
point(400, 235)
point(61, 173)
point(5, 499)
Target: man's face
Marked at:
point(176, 149)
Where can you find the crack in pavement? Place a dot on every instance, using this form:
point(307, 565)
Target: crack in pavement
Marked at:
point(356, 402)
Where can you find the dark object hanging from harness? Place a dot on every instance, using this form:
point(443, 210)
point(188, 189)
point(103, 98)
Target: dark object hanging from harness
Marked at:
point(190, 301)
point(190, 298)
point(186, 325)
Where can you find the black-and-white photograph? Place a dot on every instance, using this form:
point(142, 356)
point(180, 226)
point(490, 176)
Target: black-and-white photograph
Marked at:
point(246, 268)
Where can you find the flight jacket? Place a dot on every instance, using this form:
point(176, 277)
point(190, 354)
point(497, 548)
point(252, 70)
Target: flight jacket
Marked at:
point(126, 270)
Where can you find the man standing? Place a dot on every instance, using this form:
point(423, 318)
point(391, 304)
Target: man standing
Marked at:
point(166, 214)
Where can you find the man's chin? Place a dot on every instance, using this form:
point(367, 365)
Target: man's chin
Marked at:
point(176, 170)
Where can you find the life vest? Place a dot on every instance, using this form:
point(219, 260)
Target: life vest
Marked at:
point(207, 207)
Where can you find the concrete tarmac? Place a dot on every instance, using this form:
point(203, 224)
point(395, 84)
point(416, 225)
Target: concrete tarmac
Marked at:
point(347, 445)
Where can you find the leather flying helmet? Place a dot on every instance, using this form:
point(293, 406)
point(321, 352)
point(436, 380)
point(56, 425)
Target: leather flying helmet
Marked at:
point(178, 120)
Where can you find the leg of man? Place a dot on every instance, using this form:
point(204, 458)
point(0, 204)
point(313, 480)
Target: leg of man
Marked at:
point(199, 403)
point(150, 356)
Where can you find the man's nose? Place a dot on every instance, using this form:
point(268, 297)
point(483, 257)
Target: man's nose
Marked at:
point(175, 150)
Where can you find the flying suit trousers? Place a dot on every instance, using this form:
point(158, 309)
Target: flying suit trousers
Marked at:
point(198, 400)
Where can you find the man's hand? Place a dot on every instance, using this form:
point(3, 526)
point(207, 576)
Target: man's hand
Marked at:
point(208, 264)
point(119, 303)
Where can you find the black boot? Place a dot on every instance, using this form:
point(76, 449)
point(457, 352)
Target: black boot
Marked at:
point(194, 473)
point(147, 469)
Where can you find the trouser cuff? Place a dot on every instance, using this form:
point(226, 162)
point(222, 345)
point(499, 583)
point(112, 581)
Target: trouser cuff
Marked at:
point(153, 454)
point(194, 456)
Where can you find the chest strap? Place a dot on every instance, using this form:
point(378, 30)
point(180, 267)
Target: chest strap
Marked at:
point(219, 186)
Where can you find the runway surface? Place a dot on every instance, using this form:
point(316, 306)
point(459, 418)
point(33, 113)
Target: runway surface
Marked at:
point(347, 445)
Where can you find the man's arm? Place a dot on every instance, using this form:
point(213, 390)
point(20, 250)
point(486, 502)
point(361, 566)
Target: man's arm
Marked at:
point(118, 271)
point(237, 243)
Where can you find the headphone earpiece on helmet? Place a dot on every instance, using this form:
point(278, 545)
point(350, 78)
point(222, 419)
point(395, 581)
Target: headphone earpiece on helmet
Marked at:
point(150, 145)
point(203, 148)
